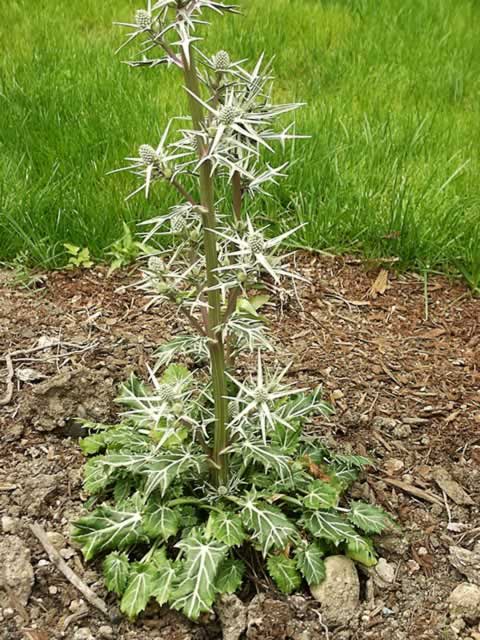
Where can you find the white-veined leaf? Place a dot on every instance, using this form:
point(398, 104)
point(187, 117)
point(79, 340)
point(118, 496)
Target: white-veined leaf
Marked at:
point(329, 525)
point(270, 527)
point(195, 591)
point(361, 550)
point(116, 570)
point(310, 563)
point(230, 576)
point(368, 518)
point(284, 572)
point(321, 495)
point(97, 476)
point(163, 587)
point(161, 472)
point(226, 527)
point(160, 521)
point(139, 590)
point(107, 528)
point(268, 456)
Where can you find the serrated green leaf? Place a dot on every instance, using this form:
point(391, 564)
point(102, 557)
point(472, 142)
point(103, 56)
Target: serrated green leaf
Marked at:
point(163, 585)
point(270, 457)
point(160, 522)
point(368, 518)
point(270, 527)
point(175, 373)
point(97, 476)
point(123, 489)
point(139, 590)
point(107, 528)
point(284, 572)
point(361, 550)
point(162, 471)
point(93, 443)
point(195, 591)
point(310, 563)
point(226, 527)
point(230, 576)
point(321, 495)
point(329, 525)
point(116, 570)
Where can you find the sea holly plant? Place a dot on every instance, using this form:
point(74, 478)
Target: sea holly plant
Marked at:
point(208, 466)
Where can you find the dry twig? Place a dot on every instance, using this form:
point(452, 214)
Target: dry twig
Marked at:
point(414, 491)
point(72, 577)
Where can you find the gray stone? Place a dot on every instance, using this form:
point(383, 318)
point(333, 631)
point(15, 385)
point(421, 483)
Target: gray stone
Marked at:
point(233, 616)
point(16, 572)
point(339, 593)
point(106, 632)
point(465, 602)
point(467, 562)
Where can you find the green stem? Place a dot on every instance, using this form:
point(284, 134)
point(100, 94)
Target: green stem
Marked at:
point(216, 346)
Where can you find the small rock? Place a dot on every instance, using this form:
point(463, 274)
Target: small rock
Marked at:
point(383, 573)
point(381, 422)
point(402, 431)
point(16, 572)
point(465, 602)
point(458, 626)
point(105, 631)
point(56, 539)
point(8, 524)
point(339, 593)
point(467, 562)
point(83, 633)
point(233, 616)
point(67, 553)
point(8, 613)
point(393, 466)
point(75, 605)
point(53, 590)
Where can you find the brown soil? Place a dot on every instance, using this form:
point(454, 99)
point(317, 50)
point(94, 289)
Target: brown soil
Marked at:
point(405, 383)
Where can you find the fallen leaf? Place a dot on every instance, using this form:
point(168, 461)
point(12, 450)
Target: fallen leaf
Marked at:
point(452, 488)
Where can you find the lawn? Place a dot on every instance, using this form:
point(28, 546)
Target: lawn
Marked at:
point(392, 91)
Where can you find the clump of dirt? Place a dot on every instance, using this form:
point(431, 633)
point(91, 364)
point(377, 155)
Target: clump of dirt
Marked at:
point(401, 371)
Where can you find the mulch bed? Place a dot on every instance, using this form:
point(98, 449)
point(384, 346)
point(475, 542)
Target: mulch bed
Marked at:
point(401, 370)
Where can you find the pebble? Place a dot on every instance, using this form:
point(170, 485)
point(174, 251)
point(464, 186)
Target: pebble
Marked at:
point(83, 633)
point(56, 539)
point(75, 605)
point(8, 613)
point(67, 553)
point(339, 593)
point(8, 524)
point(402, 431)
point(53, 590)
point(105, 632)
point(465, 601)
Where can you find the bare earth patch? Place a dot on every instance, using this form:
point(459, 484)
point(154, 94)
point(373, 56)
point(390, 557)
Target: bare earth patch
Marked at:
point(406, 387)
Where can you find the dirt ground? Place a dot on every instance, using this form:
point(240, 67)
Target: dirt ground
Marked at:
point(401, 369)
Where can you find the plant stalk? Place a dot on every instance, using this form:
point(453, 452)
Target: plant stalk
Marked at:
point(216, 346)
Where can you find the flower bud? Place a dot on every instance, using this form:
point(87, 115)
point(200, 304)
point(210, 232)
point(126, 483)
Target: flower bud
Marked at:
point(256, 242)
point(178, 223)
point(221, 61)
point(143, 19)
point(147, 154)
point(227, 115)
point(177, 408)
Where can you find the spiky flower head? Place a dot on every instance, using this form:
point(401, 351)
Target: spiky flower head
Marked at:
point(178, 223)
point(261, 395)
point(143, 19)
point(166, 393)
point(256, 242)
point(147, 154)
point(221, 61)
point(156, 264)
point(227, 115)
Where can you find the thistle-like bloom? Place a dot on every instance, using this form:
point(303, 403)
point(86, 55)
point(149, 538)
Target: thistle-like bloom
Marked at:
point(259, 400)
point(255, 252)
point(152, 164)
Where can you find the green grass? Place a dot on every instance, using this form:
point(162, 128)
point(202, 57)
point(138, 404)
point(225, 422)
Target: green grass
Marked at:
point(393, 93)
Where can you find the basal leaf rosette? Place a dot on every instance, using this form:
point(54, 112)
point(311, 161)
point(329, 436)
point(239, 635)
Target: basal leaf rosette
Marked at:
point(167, 533)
